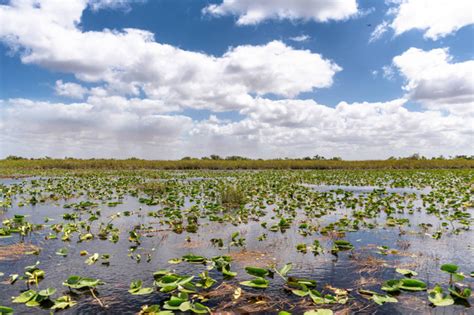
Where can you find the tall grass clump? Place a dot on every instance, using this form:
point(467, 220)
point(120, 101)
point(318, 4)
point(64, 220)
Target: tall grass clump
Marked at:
point(231, 197)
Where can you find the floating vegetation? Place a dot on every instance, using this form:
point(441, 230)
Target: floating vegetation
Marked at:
point(274, 241)
point(17, 250)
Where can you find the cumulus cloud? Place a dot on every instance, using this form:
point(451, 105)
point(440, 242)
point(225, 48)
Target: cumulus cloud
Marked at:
point(256, 11)
point(70, 89)
point(435, 18)
point(98, 127)
point(434, 80)
point(142, 89)
point(120, 127)
point(302, 127)
point(131, 61)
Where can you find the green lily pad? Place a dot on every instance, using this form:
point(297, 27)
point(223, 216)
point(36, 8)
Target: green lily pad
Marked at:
point(78, 282)
point(4, 310)
point(92, 259)
point(412, 285)
point(391, 285)
point(137, 289)
point(259, 283)
point(47, 292)
point(63, 302)
point(258, 272)
point(406, 272)
point(438, 298)
point(378, 298)
point(449, 268)
point(463, 294)
point(25, 296)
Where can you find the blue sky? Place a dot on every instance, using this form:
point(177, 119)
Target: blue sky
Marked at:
point(367, 73)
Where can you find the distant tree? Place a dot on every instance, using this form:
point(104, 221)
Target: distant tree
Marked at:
point(415, 156)
point(318, 157)
point(307, 158)
point(336, 158)
point(236, 158)
point(186, 158)
point(215, 157)
point(14, 158)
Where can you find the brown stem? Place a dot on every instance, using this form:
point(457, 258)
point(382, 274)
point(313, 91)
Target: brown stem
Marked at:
point(95, 297)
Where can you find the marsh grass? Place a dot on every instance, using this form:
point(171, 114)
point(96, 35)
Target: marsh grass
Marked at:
point(25, 166)
point(153, 188)
point(231, 197)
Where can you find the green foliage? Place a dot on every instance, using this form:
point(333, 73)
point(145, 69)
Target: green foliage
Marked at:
point(11, 165)
point(231, 197)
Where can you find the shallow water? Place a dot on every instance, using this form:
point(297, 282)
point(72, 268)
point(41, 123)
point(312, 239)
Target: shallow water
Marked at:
point(369, 189)
point(344, 270)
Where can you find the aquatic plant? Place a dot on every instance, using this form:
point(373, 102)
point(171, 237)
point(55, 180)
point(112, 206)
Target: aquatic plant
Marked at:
point(438, 298)
point(137, 289)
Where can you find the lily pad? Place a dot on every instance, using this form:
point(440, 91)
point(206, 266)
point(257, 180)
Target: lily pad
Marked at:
point(258, 272)
point(137, 289)
point(463, 294)
point(406, 272)
point(449, 268)
point(63, 302)
point(438, 298)
point(4, 310)
point(259, 283)
point(412, 285)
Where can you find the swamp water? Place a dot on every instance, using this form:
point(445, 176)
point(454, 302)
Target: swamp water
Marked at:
point(389, 228)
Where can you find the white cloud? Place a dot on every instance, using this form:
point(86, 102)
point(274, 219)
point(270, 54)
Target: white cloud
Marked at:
point(120, 127)
point(141, 85)
point(300, 38)
point(378, 31)
point(388, 72)
point(113, 4)
point(256, 11)
point(70, 89)
point(131, 61)
point(99, 127)
point(358, 130)
point(436, 18)
point(434, 80)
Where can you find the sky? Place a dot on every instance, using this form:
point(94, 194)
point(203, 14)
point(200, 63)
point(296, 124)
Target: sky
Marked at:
point(164, 79)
